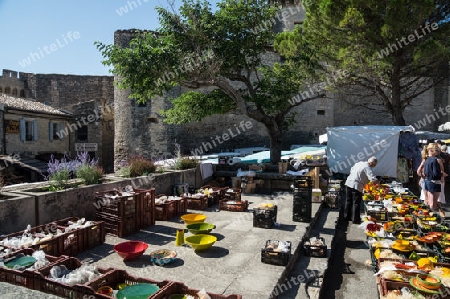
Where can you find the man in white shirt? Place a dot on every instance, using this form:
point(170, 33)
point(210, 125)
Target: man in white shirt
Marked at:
point(360, 174)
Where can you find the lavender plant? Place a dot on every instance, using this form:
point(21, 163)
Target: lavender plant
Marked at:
point(60, 171)
point(88, 169)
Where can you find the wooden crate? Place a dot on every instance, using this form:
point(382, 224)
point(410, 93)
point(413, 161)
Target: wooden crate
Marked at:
point(120, 227)
point(24, 278)
point(146, 207)
point(233, 205)
point(165, 211)
point(115, 277)
point(180, 288)
point(194, 203)
point(232, 194)
point(44, 284)
point(112, 202)
point(49, 244)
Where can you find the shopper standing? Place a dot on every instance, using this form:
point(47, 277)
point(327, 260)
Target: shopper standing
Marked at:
point(360, 174)
point(433, 172)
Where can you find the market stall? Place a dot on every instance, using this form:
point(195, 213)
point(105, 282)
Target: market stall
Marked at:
point(409, 243)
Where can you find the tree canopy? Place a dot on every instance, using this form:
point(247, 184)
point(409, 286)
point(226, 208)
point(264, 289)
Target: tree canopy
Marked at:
point(226, 49)
point(394, 50)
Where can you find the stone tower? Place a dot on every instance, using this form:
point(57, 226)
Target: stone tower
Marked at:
point(292, 13)
point(138, 128)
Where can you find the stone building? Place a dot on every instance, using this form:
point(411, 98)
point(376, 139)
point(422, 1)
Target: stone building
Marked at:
point(89, 99)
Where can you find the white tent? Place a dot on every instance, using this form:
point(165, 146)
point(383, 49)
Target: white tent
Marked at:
point(444, 127)
point(350, 144)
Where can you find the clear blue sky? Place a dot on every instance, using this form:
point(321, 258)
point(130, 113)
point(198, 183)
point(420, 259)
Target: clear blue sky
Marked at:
point(57, 36)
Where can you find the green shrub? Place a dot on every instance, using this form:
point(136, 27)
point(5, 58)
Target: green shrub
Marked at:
point(90, 174)
point(58, 180)
point(141, 166)
point(186, 163)
point(125, 171)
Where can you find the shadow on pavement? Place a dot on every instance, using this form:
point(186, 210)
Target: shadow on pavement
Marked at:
point(337, 266)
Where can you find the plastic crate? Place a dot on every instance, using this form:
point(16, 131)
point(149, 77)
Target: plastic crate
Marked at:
point(165, 211)
point(402, 255)
point(146, 207)
point(303, 182)
point(50, 244)
point(115, 277)
point(44, 284)
point(315, 250)
point(113, 203)
point(215, 196)
point(302, 197)
point(233, 205)
point(120, 227)
point(176, 288)
point(24, 278)
point(378, 215)
point(194, 203)
point(94, 235)
point(388, 285)
point(269, 256)
point(180, 206)
point(71, 243)
point(302, 212)
point(265, 218)
point(232, 194)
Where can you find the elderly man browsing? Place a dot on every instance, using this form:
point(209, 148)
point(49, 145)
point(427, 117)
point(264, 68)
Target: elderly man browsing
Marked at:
point(360, 174)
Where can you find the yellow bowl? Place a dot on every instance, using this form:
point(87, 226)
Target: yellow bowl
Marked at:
point(193, 218)
point(200, 241)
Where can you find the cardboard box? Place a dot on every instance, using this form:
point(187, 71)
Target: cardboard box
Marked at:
point(236, 182)
point(317, 195)
point(257, 168)
point(250, 187)
point(282, 167)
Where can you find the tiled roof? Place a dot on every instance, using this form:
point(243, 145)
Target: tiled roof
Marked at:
point(28, 105)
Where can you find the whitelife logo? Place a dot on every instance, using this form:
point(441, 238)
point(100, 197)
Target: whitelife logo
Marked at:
point(131, 5)
point(391, 48)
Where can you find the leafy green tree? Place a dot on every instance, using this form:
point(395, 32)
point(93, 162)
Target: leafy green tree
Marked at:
point(394, 50)
point(221, 50)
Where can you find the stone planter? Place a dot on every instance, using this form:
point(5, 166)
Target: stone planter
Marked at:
point(72, 202)
point(16, 212)
point(41, 206)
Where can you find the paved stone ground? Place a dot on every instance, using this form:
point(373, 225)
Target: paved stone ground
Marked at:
point(232, 265)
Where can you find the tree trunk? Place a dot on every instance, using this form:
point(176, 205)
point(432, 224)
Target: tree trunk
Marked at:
point(396, 100)
point(276, 136)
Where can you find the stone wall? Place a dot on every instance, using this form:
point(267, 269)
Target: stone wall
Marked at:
point(16, 212)
point(36, 207)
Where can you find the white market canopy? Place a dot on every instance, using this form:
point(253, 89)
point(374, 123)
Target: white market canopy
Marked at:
point(350, 144)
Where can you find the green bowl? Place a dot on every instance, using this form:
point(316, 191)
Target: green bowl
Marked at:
point(201, 242)
point(200, 228)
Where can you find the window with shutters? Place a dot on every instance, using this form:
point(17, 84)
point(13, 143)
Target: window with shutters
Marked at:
point(55, 131)
point(28, 130)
